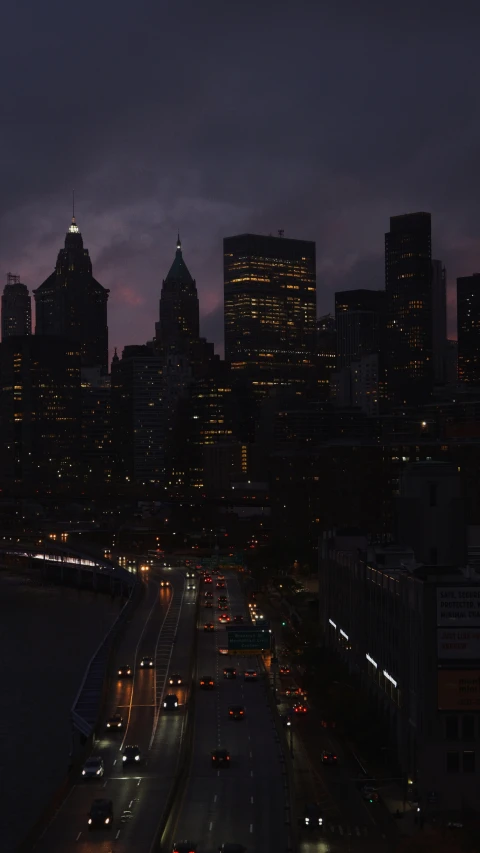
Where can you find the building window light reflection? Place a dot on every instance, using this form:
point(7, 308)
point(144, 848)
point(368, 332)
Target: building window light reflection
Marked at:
point(372, 661)
point(332, 623)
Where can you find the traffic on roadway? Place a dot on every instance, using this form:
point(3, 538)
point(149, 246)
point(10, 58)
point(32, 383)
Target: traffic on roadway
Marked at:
point(235, 797)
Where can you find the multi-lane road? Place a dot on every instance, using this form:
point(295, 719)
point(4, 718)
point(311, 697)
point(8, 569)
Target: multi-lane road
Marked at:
point(245, 804)
point(162, 627)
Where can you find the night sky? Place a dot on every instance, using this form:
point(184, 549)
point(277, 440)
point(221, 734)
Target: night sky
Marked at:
point(322, 118)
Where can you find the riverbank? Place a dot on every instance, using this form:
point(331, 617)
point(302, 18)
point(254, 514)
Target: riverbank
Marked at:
point(47, 636)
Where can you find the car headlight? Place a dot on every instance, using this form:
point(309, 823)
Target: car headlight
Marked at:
point(119, 671)
point(151, 663)
point(107, 820)
point(89, 819)
point(108, 725)
point(164, 704)
point(124, 758)
point(99, 771)
point(307, 820)
point(176, 703)
point(83, 773)
point(320, 821)
point(137, 758)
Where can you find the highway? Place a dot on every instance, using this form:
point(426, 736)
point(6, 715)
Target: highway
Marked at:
point(244, 804)
point(162, 627)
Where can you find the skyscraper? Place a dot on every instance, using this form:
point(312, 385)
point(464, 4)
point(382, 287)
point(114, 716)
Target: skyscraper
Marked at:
point(414, 288)
point(359, 318)
point(179, 312)
point(468, 326)
point(40, 409)
point(71, 303)
point(16, 308)
point(270, 309)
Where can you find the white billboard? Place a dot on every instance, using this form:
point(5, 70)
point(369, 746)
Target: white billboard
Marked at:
point(458, 606)
point(458, 643)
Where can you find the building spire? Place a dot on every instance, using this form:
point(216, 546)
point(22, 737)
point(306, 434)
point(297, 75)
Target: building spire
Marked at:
point(179, 242)
point(73, 227)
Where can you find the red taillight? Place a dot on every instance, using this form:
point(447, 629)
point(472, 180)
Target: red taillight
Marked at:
point(228, 758)
point(335, 757)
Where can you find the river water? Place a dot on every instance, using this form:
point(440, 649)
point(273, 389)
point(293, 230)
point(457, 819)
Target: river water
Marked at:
point(47, 636)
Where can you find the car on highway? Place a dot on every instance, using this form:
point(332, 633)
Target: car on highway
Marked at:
point(224, 618)
point(238, 619)
point(293, 691)
point(207, 682)
point(175, 678)
point(250, 675)
point(300, 708)
point(170, 701)
point(313, 817)
point(115, 722)
point(236, 712)
point(207, 579)
point(220, 585)
point(146, 662)
point(190, 573)
point(209, 626)
point(329, 757)
point(284, 670)
point(228, 847)
point(222, 605)
point(327, 722)
point(223, 598)
point(165, 583)
point(131, 754)
point(208, 595)
point(93, 768)
point(208, 604)
point(222, 651)
point(286, 720)
point(184, 847)
point(124, 671)
point(191, 585)
point(369, 794)
point(229, 672)
point(220, 758)
point(100, 815)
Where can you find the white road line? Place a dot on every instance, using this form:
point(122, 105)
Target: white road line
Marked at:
point(251, 772)
point(115, 761)
point(251, 754)
point(78, 836)
point(251, 799)
point(215, 798)
point(138, 783)
point(130, 804)
point(118, 833)
point(105, 783)
point(251, 827)
point(210, 826)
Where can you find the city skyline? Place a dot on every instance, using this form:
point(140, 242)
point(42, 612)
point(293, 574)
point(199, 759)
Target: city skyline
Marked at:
point(213, 151)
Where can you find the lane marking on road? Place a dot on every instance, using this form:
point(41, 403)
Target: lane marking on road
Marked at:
point(138, 783)
point(215, 798)
point(251, 799)
point(130, 804)
point(154, 605)
point(78, 836)
point(115, 761)
point(105, 783)
point(134, 705)
point(210, 826)
point(251, 827)
point(251, 772)
point(218, 772)
point(117, 835)
point(251, 754)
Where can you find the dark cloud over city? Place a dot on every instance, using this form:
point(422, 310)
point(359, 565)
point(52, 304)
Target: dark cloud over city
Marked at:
point(319, 118)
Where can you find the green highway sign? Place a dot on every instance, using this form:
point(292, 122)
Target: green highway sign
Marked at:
point(248, 640)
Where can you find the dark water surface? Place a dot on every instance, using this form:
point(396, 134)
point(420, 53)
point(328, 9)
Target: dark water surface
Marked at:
point(47, 637)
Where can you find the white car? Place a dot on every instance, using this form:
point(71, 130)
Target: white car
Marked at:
point(93, 767)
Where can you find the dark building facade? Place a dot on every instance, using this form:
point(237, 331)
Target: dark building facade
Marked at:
point(138, 419)
point(40, 409)
point(16, 308)
point(73, 304)
point(408, 282)
point(468, 328)
point(359, 319)
point(179, 311)
point(96, 427)
point(270, 309)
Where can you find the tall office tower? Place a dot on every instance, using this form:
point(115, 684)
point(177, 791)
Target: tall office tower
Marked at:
point(409, 282)
point(359, 319)
point(16, 308)
point(439, 320)
point(270, 309)
point(326, 354)
point(40, 406)
point(179, 314)
point(71, 303)
point(468, 328)
point(138, 428)
point(96, 426)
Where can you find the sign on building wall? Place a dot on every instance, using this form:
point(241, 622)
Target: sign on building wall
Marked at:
point(458, 605)
point(458, 643)
point(459, 690)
